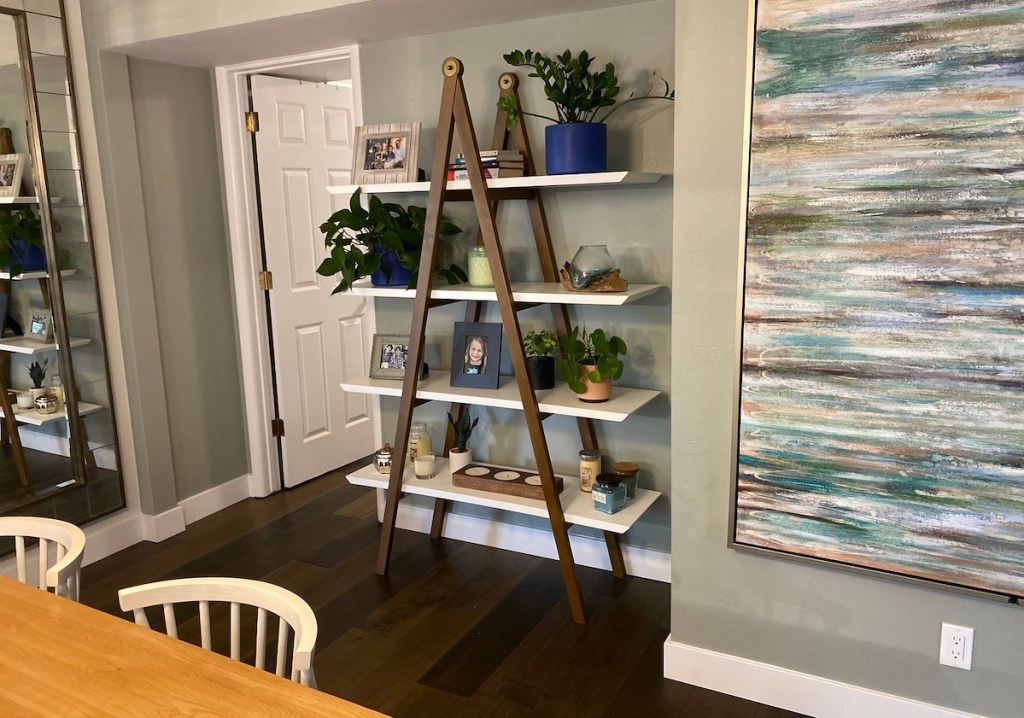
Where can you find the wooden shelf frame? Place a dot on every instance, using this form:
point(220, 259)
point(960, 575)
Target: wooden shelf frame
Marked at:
point(517, 392)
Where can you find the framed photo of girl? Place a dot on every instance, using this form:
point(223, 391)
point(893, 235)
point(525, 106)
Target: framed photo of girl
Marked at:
point(476, 354)
point(385, 154)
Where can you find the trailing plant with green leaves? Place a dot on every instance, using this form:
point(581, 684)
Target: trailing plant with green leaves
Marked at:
point(577, 93)
point(358, 236)
point(20, 225)
point(594, 349)
point(37, 372)
point(539, 344)
point(462, 428)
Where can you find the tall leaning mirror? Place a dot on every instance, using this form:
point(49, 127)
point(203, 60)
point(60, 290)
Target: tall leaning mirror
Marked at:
point(58, 449)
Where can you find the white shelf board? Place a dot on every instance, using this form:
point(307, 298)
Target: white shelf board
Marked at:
point(578, 506)
point(528, 292)
point(35, 275)
point(577, 180)
point(24, 345)
point(560, 400)
point(33, 417)
point(26, 200)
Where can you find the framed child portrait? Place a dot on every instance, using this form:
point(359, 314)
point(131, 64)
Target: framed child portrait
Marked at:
point(389, 356)
point(476, 354)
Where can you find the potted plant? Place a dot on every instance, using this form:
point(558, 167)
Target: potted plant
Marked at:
point(578, 141)
point(590, 362)
point(459, 456)
point(21, 242)
point(382, 241)
point(37, 373)
point(539, 363)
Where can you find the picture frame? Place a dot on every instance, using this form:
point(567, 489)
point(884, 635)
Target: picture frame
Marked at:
point(385, 154)
point(11, 169)
point(476, 355)
point(389, 356)
point(39, 325)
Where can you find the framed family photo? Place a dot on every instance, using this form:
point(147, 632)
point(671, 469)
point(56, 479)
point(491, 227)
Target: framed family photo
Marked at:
point(389, 356)
point(40, 325)
point(11, 169)
point(476, 354)
point(386, 153)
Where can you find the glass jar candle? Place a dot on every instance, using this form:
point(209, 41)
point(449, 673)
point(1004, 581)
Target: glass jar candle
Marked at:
point(423, 465)
point(590, 467)
point(479, 268)
point(629, 472)
point(609, 493)
point(415, 429)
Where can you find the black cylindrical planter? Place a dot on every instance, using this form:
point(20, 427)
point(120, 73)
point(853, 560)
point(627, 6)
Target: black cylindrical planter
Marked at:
point(542, 372)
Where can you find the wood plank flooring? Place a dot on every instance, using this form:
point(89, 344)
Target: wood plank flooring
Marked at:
point(456, 630)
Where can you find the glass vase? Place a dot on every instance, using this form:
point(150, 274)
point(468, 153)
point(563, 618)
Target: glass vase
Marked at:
point(591, 262)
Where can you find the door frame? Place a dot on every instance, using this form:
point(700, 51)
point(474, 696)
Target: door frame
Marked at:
point(232, 93)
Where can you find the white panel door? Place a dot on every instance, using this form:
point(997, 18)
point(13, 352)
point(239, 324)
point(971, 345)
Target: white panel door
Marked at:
point(304, 144)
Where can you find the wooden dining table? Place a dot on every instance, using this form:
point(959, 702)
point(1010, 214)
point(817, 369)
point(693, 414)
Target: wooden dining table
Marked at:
point(60, 658)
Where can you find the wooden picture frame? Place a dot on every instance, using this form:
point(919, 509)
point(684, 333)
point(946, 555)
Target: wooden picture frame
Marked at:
point(11, 169)
point(388, 358)
point(476, 355)
point(385, 154)
point(39, 326)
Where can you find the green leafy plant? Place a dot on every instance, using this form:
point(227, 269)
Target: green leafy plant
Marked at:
point(594, 349)
point(578, 93)
point(37, 372)
point(539, 344)
point(358, 237)
point(20, 225)
point(462, 428)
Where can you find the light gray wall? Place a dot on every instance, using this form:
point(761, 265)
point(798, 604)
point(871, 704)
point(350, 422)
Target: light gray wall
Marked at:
point(867, 631)
point(185, 224)
point(402, 83)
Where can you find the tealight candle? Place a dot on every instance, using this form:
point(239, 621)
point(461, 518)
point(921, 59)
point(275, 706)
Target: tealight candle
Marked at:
point(424, 466)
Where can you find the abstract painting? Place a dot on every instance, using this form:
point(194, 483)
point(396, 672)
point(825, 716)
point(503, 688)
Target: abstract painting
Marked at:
point(882, 380)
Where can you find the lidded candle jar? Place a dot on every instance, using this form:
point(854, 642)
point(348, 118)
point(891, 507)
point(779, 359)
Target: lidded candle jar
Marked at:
point(590, 467)
point(416, 430)
point(479, 268)
point(629, 471)
point(609, 493)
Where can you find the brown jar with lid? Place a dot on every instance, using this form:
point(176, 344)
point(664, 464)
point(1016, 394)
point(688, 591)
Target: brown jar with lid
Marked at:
point(629, 471)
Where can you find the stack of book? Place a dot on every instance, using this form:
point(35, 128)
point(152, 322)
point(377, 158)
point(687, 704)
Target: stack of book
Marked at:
point(496, 163)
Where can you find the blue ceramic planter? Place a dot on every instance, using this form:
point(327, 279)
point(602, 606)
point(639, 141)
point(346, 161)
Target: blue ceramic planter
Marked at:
point(27, 256)
point(576, 148)
point(400, 276)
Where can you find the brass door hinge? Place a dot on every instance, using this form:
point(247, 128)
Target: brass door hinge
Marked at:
point(252, 122)
point(266, 281)
point(277, 428)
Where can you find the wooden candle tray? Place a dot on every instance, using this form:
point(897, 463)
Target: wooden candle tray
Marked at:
point(513, 482)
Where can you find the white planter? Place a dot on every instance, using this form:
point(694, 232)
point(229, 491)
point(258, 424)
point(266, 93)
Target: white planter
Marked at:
point(459, 459)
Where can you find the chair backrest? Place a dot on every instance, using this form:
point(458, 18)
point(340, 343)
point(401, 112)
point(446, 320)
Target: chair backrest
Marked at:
point(61, 549)
point(293, 612)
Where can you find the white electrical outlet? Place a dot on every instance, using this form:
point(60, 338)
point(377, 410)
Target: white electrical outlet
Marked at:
point(956, 648)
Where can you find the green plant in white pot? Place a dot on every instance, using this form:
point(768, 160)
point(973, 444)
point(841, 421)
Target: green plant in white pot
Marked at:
point(583, 100)
point(591, 362)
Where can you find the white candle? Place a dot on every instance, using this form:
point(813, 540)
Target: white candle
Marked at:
point(424, 466)
point(479, 269)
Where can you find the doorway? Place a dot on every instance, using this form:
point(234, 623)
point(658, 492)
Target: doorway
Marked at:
point(297, 342)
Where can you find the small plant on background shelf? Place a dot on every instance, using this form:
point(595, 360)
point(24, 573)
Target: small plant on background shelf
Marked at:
point(578, 94)
point(37, 372)
point(539, 344)
point(595, 350)
point(539, 363)
point(359, 238)
point(463, 428)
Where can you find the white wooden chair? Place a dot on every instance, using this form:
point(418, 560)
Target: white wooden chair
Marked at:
point(293, 613)
point(61, 549)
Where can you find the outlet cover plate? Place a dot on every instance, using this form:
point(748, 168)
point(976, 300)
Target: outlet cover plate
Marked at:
point(956, 647)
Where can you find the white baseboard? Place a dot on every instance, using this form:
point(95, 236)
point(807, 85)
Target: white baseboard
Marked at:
point(790, 690)
point(645, 563)
point(162, 526)
point(213, 500)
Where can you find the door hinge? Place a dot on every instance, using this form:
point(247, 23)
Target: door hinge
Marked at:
point(252, 121)
point(277, 428)
point(266, 281)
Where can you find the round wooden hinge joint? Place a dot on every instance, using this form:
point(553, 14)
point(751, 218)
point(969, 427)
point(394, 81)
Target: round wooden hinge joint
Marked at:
point(452, 67)
point(508, 80)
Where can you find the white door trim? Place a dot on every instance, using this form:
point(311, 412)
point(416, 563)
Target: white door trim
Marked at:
point(243, 233)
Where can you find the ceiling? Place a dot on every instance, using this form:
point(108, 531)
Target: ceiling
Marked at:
point(360, 23)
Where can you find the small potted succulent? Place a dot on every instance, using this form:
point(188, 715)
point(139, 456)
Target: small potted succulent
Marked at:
point(590, 363)
point(37, 373)
point(583, 100)
point(459, 456)
point(382, 241)
point(539, 363)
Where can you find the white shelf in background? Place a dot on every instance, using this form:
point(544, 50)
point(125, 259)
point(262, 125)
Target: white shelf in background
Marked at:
point(35, 275)
point(23, 345)
point(577, 505)
point(26, 200)
point(33, 417)
point(527, 292)
point(579, 180)
point(560, 400)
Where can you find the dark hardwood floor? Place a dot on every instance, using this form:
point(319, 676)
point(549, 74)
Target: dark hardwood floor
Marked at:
point(455, 630)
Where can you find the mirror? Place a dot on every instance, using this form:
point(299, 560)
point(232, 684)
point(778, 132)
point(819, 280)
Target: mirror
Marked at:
point(57, 461)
